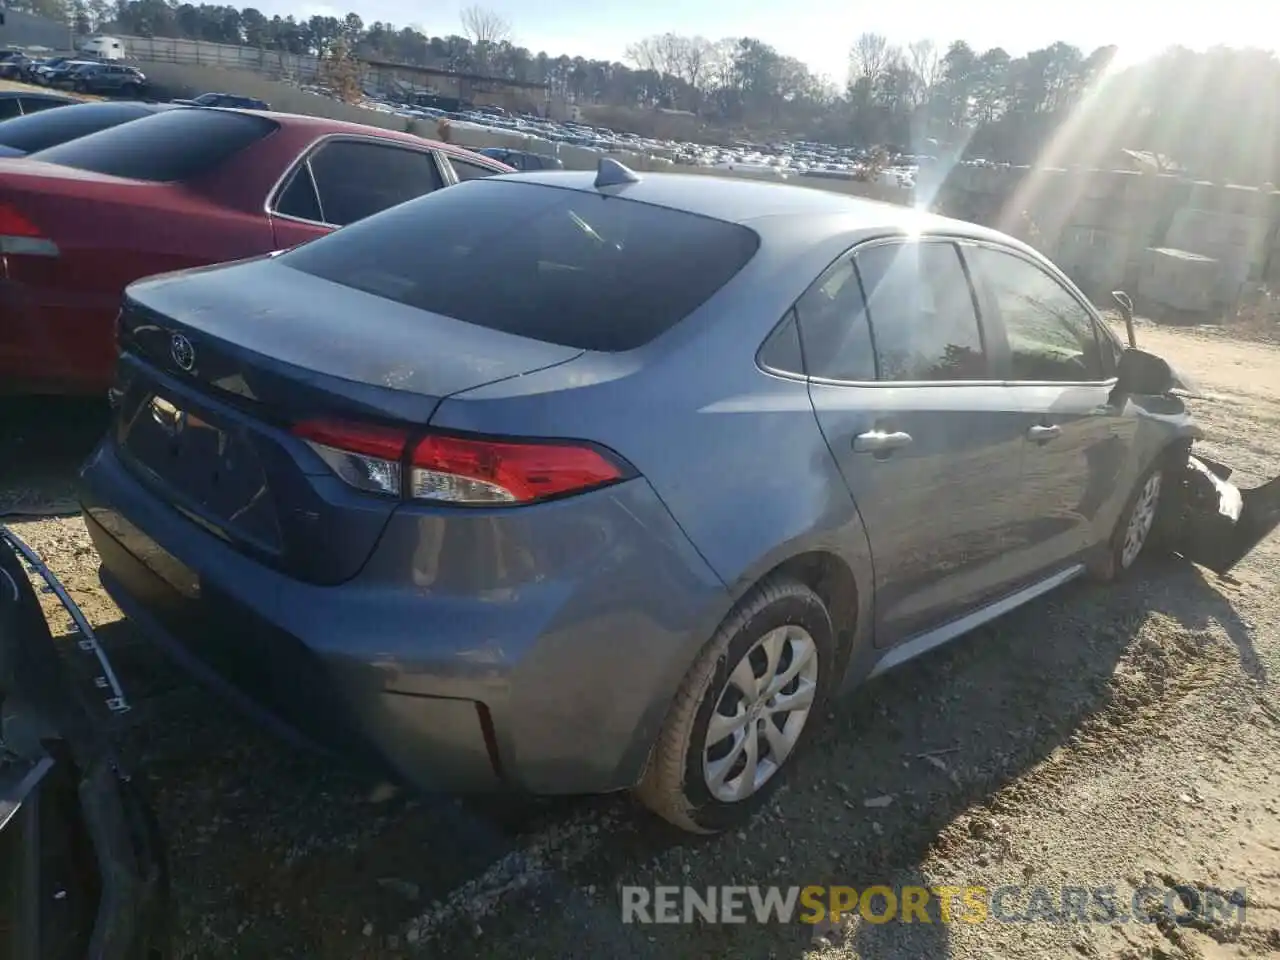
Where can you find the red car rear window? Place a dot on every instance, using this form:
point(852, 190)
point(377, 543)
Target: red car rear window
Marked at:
point(174, 145)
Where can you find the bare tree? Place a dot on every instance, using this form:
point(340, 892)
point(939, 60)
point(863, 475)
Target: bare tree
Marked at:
point(695, 60)
point(927, 65)
point(645, 54)
point(485, 27)
point(870, 56)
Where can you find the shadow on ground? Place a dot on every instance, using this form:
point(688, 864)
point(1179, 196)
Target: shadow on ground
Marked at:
point(43, 441)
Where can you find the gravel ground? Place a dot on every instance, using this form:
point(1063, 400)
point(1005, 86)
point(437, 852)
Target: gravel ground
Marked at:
point(1120, 735)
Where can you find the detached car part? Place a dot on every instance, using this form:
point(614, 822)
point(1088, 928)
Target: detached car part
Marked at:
point(83, 874)
point(1218, 524)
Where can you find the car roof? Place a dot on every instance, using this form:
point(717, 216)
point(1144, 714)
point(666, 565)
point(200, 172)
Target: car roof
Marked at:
point(753, 202)
point(323, 125)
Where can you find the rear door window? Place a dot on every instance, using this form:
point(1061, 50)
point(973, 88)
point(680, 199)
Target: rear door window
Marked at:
point(470, 171)
point(833, 326)
point(36, 104)
point(921, 307)
point(10, 107)
point(172, 145)
point(570, 267)
point(50, 127)
point(355, 179)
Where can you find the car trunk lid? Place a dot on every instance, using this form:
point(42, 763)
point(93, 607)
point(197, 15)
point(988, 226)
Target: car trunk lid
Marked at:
point(219, 364)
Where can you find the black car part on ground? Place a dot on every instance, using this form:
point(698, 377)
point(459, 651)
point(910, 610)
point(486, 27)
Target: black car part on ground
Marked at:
point(83, 873)
point(1218, 524)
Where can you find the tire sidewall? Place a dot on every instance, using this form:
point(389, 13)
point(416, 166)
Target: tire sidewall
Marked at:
point(800, 608)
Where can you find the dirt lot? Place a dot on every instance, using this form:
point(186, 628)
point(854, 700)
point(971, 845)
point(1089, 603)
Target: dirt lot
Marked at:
point(1123, 736)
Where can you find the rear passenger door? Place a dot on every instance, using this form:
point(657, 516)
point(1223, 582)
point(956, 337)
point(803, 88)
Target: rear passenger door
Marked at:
point(345, 180)
point(1077, 466)
point(901, 382)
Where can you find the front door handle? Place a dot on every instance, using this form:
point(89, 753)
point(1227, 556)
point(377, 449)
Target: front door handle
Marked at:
point(877, 441)
point(1042, 433)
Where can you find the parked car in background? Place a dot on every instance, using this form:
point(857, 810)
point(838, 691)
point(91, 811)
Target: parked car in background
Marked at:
point(186, 186)
point(48, 128)
point(225, 100)
point(62, 73)
point(19, 103)
point(13, 65)
point(109, 78)
point(460, 482)
point(37, 68)
point(523, 159)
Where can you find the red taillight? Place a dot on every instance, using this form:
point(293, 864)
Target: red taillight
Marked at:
point(487, 471)
point(14, 224)
point(367, 457)
point(449, 469)
point(386, 443)
point(18, 235)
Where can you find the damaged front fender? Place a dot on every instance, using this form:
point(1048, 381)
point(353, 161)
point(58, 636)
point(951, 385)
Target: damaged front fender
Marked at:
point(1217, 523)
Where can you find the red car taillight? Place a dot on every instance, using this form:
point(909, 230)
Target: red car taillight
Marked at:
point(18, 235)
point(451, 469)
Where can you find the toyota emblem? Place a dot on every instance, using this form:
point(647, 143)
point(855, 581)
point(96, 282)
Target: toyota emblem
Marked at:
point(183, 353)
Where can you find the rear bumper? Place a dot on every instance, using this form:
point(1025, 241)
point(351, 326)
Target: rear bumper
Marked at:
point(471, 653)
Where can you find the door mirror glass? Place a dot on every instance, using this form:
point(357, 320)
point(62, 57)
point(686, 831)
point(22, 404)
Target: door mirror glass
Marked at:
point(1143, 373)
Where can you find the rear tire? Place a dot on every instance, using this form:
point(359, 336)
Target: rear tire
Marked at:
point(764, 679)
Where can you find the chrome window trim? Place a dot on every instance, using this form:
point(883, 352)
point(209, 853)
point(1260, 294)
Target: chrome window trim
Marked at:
point(959, 239)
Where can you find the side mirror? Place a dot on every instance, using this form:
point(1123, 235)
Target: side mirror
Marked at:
point(1144, 374)
point(1126, 311)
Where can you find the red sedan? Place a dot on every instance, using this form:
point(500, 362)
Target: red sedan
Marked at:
point(182, 188)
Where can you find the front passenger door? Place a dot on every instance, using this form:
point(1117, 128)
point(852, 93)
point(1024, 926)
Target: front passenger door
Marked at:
point(1077, 470)
point(927, 444)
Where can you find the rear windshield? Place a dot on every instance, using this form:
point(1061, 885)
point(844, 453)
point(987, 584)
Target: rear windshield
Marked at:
point(49, 127)
point(176, 144)
point(563, 266)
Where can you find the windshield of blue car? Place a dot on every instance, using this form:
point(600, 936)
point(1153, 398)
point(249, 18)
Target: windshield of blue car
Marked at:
point(570, 267)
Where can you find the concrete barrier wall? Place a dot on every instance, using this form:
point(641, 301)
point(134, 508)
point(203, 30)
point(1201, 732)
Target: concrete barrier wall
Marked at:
point(1188, 246)
point(1110, 229)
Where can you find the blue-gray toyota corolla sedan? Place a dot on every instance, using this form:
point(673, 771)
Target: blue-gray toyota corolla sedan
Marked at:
point(574, 482)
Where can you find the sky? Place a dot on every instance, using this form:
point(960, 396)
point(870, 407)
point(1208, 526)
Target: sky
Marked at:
point(820, 32)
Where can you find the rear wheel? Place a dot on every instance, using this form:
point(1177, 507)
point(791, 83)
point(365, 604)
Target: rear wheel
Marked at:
point(746, 706)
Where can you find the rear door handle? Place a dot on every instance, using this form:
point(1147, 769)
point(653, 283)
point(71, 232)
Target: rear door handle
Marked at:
point(877, 441)
point(1041, 433)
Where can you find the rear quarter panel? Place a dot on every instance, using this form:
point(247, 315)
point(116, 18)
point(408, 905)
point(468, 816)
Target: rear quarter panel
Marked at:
point(735, 453)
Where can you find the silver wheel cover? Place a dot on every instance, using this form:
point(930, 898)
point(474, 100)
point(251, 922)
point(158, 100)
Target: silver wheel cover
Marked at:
point(1141, 519)
point(759, 713)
